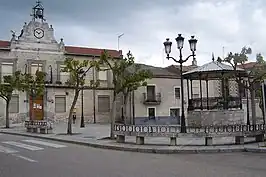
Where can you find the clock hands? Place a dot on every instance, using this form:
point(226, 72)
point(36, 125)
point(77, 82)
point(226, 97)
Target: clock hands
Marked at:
point(38, 33)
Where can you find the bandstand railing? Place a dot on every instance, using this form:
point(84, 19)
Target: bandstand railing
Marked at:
point(214, 103)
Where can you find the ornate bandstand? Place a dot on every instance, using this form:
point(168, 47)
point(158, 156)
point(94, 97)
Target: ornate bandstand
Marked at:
point(219, 101)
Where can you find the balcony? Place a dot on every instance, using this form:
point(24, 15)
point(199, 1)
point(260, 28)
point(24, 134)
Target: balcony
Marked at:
point(151, 99)
point(57, 80)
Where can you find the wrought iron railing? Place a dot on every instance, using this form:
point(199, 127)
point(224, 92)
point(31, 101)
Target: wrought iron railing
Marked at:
point(174, 130)
point(151, 98)
point(214, 103)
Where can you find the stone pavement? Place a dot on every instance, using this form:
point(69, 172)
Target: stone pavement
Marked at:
point(96, 135)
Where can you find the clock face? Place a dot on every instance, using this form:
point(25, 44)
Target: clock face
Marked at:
point(38, 33)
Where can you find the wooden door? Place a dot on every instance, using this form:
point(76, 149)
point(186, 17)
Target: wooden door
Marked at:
point(36, 108)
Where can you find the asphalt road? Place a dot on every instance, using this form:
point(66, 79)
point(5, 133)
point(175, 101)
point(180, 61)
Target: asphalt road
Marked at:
point(29, 157)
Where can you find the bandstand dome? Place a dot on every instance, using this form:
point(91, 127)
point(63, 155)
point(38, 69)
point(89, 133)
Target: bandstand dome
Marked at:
point(213, 70)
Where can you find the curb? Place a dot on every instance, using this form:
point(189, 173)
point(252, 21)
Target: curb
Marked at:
point(143, 149)
point(255, 150)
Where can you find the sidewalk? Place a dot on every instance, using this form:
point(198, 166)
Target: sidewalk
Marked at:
point(95, 135)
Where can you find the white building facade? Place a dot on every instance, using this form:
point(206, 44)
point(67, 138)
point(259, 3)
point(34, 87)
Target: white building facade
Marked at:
point(37, 48)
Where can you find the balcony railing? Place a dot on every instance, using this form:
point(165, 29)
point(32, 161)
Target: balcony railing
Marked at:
point(56, 79)
point(214, 103)
point(152, 99)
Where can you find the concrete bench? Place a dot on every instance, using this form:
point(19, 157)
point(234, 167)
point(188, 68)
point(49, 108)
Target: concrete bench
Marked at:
point(37, 126)
point(173, 132)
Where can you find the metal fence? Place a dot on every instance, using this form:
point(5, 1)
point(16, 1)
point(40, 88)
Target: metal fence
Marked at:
point(174, 130)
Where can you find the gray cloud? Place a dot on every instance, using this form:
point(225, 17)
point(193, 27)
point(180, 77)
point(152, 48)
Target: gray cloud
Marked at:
point(146, 24)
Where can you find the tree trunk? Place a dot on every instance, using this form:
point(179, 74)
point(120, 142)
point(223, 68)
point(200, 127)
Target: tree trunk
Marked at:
point(69, 123)
point(262, 109)
point(32, 107)
point(7, 113)
point(253, 106)
point(125, 108)
point(113, 116)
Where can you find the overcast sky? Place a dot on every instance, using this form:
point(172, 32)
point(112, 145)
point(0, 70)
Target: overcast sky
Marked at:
point(231, 24)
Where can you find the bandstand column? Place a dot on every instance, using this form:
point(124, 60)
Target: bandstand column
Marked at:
point(188, 99)
point(207, 91)
point(201, 104)
point(239, 92)
point(247, 92)
point(223, 92)
point(187, 89)
point(191, 89)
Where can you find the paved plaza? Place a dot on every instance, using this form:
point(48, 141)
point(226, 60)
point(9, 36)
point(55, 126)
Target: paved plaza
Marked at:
point(31, 157)
point(96, 135)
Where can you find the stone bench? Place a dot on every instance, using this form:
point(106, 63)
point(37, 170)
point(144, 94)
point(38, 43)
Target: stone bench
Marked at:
point(173, 132)
point(38, 126)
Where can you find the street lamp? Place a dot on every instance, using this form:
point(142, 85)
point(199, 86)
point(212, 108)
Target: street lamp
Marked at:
point(118, 39)
point(180, 44)
point(82, 124)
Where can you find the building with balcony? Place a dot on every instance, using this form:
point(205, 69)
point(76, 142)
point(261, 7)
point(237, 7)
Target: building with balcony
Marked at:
point(160, 101)
point(36, 48)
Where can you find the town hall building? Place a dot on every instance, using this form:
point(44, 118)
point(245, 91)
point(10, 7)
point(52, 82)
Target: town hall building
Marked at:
point(36, 48)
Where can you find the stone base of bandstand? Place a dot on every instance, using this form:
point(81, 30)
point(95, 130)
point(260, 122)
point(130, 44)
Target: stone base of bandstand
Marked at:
point(215, 117)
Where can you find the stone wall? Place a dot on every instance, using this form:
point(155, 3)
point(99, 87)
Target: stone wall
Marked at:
point(215, 117)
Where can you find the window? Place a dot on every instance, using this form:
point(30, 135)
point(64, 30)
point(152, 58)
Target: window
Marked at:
point(151, 93)
point(14, 104)
point(60, 104)
point(175, 113)
point(35, 67)
point(103, 103)
point(177, 92)
point(7, 69)
point(64, 76)
point(102, 75)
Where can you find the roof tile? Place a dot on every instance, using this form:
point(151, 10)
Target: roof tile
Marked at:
point(4, 44)
point(91, 51)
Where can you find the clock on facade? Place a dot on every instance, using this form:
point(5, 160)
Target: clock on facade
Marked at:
point(38, 33)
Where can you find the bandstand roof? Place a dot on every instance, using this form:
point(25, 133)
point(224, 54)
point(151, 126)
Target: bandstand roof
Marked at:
point(213, 70)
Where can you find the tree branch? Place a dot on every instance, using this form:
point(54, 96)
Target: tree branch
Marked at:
point(4, 97)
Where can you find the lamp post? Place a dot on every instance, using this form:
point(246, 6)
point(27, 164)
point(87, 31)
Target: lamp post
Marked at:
point(29, 114)
point(180, 43)
point(82, 113)
point(118, 40)
point(82, 124)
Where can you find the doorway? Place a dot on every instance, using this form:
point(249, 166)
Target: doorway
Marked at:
point(151, 113)
point(175, 113)
point(36, 108)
